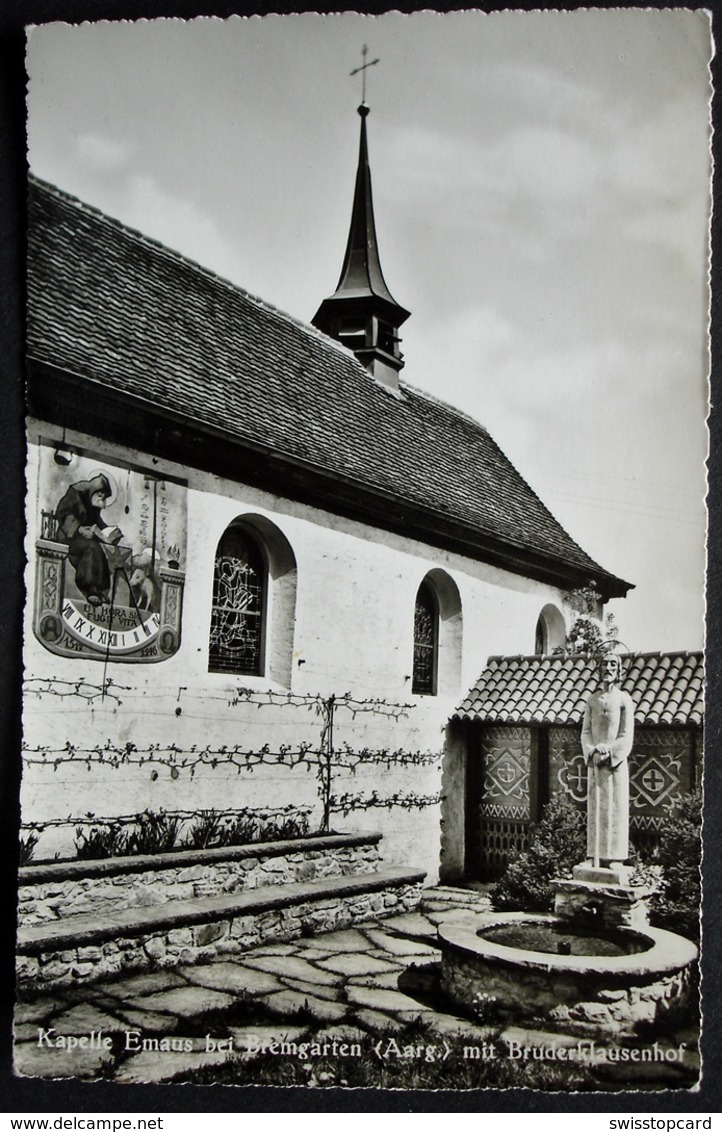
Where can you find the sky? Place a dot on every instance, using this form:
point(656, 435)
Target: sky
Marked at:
point(541, 191)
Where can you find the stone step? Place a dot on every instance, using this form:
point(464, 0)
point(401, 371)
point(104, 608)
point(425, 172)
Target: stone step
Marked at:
point(447, 894)
point(53, 891)
point(85, 947)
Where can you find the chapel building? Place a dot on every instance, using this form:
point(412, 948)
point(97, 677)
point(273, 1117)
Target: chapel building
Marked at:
point(264, 570)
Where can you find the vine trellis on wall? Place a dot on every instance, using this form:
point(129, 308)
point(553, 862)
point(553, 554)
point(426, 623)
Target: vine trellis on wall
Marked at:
point(327, 757)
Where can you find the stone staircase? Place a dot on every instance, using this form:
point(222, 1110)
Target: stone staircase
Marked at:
point(81, 921)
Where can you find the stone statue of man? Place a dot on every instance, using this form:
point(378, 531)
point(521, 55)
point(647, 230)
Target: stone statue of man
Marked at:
point(607, 736)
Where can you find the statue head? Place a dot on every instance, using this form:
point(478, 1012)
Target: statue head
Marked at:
point(611, 670)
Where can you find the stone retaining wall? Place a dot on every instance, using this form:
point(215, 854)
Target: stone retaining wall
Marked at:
point(56, 891)
point(199, 942)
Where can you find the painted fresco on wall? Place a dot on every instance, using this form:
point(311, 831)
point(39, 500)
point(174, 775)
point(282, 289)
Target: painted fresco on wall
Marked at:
point(111, 551)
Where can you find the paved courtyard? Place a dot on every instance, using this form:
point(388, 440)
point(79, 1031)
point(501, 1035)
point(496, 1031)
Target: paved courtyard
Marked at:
point(352, 984)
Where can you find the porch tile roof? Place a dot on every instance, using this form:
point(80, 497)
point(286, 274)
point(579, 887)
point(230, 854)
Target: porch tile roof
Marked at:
point(117, 309)
point(667, 689)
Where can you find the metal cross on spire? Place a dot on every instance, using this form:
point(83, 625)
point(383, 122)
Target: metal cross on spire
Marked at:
point(362, 69)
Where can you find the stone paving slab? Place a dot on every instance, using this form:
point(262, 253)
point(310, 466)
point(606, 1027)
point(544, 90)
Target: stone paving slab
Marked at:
point(72, 995)
point(149, 1067)
point(293, 966)
point(148, 1021)
point(249, 1041)
point(292, 1002)
point(384, 941)
point(412, 923)
point(404, 962)
point(135, 985)
point(32, 1060)
point(443, 908)
point(34, 1011)
point(349, 939)
point(427, 960)
point(276, 948)
point(317, 990)
point(377, 1021)
point(378, 998)
point(358, 963)
point(436, 918)
point(317, 952)
point(231, 978)
point(187, 1001)
point(389, 980)
point(445, 894)
point(83, 1020)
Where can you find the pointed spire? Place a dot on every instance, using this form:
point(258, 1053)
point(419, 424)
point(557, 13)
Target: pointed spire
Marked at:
point(362, 313)
point(361, 272)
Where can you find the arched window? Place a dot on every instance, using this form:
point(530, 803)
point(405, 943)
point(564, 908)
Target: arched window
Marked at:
point(426, 641)
point(550, 633)
point(437, 637)
point(240, 584)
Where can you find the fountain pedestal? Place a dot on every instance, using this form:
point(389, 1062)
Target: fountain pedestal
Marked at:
point(601, 898)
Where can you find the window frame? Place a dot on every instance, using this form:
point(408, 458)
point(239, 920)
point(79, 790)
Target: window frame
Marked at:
point(426, 589)
point(261, 567)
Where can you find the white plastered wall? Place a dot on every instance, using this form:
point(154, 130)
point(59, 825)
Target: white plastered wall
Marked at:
point(353, 633)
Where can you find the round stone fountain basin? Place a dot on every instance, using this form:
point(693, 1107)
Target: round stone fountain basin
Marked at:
point(495, 963)
point(558, 939)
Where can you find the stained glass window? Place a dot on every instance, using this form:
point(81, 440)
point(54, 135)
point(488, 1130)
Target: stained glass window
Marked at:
point(540, 646)
point(239, 602)
point(426, 636)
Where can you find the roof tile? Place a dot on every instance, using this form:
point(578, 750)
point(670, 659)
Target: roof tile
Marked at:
point(113, 307)
point(667, 688)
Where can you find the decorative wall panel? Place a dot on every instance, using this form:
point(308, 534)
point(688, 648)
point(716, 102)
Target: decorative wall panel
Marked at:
point(501, 812)
point(110, 552)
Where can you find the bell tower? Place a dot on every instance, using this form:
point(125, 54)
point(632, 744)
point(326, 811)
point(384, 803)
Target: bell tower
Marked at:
point(361, 313)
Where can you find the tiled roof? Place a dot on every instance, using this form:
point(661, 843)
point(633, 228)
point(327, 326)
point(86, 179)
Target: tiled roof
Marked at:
point(113, 307)
point(667, 688)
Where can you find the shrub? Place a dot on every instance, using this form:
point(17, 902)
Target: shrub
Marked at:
point(211, 830)
point(205, 831)
point(153, 833)
point(285, 829)
point(558, 843)
point(100, 841)
point(588, 635)
point(242, 830)
point(676, 906)
point(27, 848)
point(148, 833)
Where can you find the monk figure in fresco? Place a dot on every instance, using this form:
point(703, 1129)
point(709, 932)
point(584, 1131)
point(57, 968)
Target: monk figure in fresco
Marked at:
point(607, 736)
point(82, 526)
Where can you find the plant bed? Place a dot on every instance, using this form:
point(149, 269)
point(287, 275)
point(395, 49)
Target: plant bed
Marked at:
point(158, 831)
